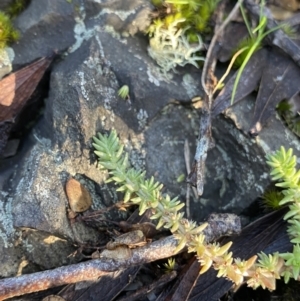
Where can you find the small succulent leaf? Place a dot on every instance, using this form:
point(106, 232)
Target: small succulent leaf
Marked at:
point(127, 196)
point(160, 223)
point(142, 208)
point(206, 266)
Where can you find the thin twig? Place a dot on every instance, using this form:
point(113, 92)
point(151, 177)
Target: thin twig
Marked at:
point(188, 169)
point(204, 142)
point(213, 43)
point(187, 159)
point(94, 214)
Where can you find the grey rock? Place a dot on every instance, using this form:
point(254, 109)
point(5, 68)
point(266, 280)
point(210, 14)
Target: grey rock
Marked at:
point(83, 100)
point(126, 17)
point(55, 251)
point(45, 27)
point(6, 57)
point(236, 171)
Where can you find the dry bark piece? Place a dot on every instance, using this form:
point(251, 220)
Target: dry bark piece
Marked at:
point(108, 287)
point(141, 293)
point(184, 283)
point(79, 198)
point(131, 239)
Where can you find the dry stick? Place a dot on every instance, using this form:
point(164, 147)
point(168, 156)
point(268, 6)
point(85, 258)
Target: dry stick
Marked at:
point(279, 38)
point(205, 140)
point(187, 156)
point(212, 44)
point(188, 169)
point(218, 225)
point(96, 213)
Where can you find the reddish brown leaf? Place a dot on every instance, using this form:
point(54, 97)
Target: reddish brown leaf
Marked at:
point(147, 228)
point(17, 88)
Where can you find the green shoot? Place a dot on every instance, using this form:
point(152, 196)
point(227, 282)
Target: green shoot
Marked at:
point(123, 92)
point(235, 56)
point(170, 265)
point(246, 20)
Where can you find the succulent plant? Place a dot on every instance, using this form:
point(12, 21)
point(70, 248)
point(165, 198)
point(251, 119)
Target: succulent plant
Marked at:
point(147, 194)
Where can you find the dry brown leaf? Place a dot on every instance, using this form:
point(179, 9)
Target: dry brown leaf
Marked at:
point(291, 5)
point(79, 198)
point(147, 228)
point(17, 88)
point(278, 13)
point(131, 239)
point(119, 253)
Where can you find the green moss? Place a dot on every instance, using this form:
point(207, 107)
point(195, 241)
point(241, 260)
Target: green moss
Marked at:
point(16, 7)
point(196, 13)
point(7, 32)
point(271, 199)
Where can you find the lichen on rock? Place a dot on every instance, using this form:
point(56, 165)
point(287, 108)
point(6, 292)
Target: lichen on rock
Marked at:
point(169, 47)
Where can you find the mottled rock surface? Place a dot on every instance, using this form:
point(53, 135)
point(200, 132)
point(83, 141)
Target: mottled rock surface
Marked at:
point(101, 56)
